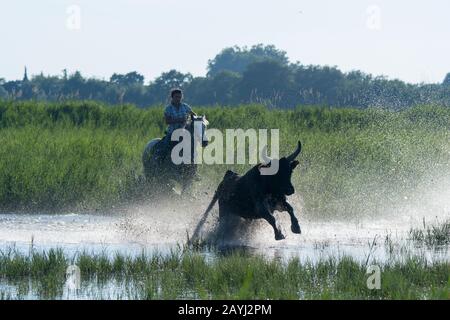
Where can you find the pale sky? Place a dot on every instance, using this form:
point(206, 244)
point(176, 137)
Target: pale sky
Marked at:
point(407, 40)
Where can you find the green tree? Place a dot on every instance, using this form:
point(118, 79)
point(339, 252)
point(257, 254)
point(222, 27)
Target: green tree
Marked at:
point(3, 92)
point(237, 59)
point(318, 85)
point(267, 82)
point(446, 81)
point(160, 88)
point(128, 79)
point(199, 91)
point(73, 85)
point(224, 86)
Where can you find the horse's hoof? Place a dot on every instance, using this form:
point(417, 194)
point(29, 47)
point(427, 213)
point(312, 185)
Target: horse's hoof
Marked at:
point(296, 228)
point(279, 236)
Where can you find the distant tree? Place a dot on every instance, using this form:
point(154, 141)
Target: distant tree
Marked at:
point(50, 86)
point(14, 88)
point(198, 91)
point(237, 59)
point(136, 94)
point(354, 89)
point(266, 81)
point(318, 85)
point(160, 88)
point(73, 85)
point(217, 90)
point(172, 79)
point(3, 92)
point(258, 74)
point(224, 87)
point(128, 79)
point(446, 81)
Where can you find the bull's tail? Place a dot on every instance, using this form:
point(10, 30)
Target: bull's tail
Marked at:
point(222, 189)
point(205, 215)
point(212, 203)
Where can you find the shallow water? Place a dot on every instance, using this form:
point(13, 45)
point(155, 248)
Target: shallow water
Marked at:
point(131, 235)
point(151, 229)
point(163, 225)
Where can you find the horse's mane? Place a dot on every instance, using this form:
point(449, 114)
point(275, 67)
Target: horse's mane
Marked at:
point(190, 122)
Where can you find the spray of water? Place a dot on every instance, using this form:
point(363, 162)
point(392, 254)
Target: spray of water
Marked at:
point(174, 220)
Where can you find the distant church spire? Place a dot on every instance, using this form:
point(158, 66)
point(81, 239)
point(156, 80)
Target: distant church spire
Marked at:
point(25, 75)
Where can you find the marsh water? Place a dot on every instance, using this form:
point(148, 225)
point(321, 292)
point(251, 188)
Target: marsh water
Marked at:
point(161, 228)
point(131, 235)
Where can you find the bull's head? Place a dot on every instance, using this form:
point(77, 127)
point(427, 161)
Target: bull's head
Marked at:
point(280, 183)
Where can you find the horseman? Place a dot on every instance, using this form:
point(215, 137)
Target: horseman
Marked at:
point(160, 171)
point(176, 115)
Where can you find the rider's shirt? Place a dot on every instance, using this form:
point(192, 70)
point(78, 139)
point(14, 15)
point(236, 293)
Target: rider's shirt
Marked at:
point(181, 112)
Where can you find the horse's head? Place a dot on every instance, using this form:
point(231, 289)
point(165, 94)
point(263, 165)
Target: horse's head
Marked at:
point(200, 123)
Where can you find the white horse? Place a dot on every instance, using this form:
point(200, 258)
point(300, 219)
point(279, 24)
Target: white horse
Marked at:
point(161, 173)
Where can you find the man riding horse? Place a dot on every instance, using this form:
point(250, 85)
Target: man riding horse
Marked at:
point(176, 115)
point(159, 167)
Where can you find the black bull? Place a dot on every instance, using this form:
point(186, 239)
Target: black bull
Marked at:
point(257, 196)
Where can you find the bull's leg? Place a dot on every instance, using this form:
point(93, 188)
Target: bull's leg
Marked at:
point(265, 214)
point(295, 227)
point(271, 219)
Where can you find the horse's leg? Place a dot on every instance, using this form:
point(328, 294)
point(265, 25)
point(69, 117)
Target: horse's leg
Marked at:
point(148, 162)
point(181, 177)
point(186, 184)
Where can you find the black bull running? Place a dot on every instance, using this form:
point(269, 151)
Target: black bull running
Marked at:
point(257, 196)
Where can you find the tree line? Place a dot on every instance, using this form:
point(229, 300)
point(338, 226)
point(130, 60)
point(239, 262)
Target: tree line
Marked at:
point(260, 74)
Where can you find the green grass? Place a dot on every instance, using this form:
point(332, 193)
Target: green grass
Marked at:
point(87, 156)
point(189, 274)
point(432, 235)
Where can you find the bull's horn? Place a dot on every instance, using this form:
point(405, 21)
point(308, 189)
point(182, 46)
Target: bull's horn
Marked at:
point(264, 155)
point(295, 153)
